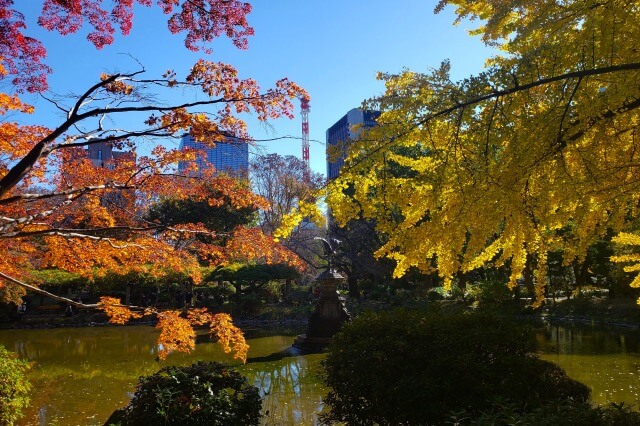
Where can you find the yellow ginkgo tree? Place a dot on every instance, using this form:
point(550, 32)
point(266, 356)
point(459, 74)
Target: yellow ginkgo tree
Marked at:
point(539, 152)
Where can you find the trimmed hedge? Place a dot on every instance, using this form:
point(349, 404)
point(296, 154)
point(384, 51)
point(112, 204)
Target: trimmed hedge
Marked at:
point(415, 367)
point(205, 393)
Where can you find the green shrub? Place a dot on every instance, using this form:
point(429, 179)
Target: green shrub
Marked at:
point(214, 294)
point(14, 387)
point(565, 412)
point(205, 393)
point(414, 367)
point(489, 292)
point(436, 294)
point(248, 305)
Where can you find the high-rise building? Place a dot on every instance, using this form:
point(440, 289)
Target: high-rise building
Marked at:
point(343, 132)
point(230, 156)
point(102, 154)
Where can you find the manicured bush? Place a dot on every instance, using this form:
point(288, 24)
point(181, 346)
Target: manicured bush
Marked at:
point(566, 413)
point(205, 393)
point(489, 292)
point(414, 367)
point(14, 387)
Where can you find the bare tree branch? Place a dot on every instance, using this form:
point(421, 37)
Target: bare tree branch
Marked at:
point(45, 146)
point(72, 191)
point(48, 294)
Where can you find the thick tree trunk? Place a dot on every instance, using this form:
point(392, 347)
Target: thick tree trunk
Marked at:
point(581, 273)
point(127, 297)
point(527, 275)
point(286, 288)
point(354, 288)
point(462, 280)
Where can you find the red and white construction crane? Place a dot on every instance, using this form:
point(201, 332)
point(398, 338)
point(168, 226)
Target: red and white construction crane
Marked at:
point(304, 113)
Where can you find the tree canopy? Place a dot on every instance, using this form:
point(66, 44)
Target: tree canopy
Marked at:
point(537, 153)
point(283, 181)
point(23, 56)
point(60, 210)
point(215, 210)
point(286, 182)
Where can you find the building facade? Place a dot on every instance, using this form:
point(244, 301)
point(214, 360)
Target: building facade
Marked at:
point(343, 132)
point(102, 154)
point(230, 156)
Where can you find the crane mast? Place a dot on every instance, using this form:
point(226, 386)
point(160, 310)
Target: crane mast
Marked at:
point(304, 113)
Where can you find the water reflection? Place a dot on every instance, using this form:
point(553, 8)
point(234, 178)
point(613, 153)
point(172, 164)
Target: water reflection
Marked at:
point(291, 390)
point(607, 360)
point(82, 375)
point(573, 339)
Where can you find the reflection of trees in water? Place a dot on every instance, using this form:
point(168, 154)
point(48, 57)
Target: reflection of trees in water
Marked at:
point(570, 339)
point(83, 343)
point(606, 360)
point(291, 395)
point(83, 374)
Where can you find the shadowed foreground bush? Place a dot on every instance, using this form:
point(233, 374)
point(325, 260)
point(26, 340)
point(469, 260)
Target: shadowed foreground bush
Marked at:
point(416, 367)
point(565, 413)
point(205, 393)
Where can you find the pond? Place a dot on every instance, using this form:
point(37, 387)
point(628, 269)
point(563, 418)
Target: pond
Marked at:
point(606, 360)
point(82, 374)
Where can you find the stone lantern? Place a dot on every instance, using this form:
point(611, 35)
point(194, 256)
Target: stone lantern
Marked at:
point(330, 312)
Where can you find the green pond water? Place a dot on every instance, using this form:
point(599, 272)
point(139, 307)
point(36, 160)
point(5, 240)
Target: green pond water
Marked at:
point(81, 375)
point(606, 360)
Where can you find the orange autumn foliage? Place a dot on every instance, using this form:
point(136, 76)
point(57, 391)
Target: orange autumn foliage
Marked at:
point(176, 328)
point(59, 209)
point(117, 313)
point(176, 334)
point(230, 337)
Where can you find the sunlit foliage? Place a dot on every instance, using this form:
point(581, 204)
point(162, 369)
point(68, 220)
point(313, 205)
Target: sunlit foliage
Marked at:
point(538, 153)
point(14, 387)
point(203, 393)
point(59, 210)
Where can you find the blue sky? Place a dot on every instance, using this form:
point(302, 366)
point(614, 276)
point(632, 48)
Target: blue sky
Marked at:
point(333, 48)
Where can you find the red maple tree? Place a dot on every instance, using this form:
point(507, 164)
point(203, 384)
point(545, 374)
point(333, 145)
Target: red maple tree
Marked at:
point(60, 210)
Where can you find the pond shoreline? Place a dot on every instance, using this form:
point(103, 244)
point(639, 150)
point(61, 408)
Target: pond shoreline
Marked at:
point(249, 323)
point(577, 320)
point(36, 323)
point(619, 313)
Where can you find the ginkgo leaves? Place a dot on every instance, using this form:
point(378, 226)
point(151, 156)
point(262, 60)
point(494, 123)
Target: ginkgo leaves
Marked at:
point(538, 153)
point(629, 242)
